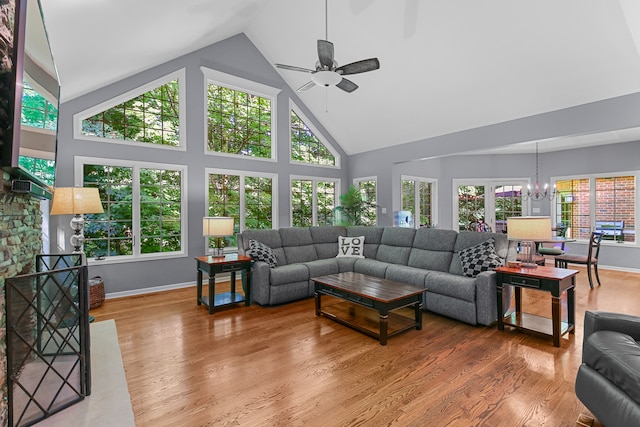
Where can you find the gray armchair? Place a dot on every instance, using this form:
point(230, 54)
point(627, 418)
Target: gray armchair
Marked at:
point(608, 381)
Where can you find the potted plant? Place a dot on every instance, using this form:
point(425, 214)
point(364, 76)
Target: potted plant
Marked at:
point(352, 208)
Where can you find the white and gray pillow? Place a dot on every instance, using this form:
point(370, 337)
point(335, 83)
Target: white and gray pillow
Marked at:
point(479, 258)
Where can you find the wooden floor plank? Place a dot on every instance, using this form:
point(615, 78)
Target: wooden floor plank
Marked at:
point(283, 366)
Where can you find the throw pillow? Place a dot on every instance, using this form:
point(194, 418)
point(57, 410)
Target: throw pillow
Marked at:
point(351, 247)
point(478, 258)
point(261, 252)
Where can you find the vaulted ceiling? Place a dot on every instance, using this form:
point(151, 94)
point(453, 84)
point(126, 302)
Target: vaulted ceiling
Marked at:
point(446, 65)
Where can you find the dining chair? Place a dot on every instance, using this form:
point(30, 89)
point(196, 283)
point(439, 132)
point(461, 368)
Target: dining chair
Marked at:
point(557, 249)
point(591, 259)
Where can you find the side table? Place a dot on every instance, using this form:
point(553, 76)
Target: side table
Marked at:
point(228, 264)
point(549, 279)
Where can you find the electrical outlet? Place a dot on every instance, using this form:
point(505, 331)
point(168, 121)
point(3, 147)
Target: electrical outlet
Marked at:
point(383, 210)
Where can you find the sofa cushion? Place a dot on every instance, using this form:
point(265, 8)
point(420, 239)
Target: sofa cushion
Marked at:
point(350, 247)
point(395, 245)
point(298, 245)
point(270, 238)
point(261, 252)
point(370, 267)
point(452, 285)
point(372, 237)
point(325, 239)
point(432, 249)
point(322, 267)
point(616, 356)
point(404, 274)
point(479, 258)
point(288, 274)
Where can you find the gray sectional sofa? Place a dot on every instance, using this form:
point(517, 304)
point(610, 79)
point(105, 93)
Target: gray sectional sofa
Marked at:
point(426, 257)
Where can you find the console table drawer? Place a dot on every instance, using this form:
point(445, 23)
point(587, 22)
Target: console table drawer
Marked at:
point(231, 267)
point(524, 281)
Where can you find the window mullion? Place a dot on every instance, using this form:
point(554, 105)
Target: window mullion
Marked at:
point(136, 205)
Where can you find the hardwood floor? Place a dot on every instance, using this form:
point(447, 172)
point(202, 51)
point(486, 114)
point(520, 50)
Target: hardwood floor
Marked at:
point(283, 366)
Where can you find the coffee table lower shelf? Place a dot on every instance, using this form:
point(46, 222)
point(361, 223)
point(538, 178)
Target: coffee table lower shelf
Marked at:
point(533, 323)
point(367, 320)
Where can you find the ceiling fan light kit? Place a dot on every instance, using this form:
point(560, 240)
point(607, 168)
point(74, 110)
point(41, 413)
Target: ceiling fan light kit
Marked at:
point(327, 73)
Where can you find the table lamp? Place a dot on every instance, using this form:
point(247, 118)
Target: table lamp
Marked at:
point(76, 201)
point(528, 230)
point(217, 227)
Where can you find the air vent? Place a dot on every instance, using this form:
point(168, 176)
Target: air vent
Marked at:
point(28, 187)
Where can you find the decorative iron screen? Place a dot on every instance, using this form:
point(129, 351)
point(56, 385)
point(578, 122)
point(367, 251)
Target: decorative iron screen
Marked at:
point(48, 364)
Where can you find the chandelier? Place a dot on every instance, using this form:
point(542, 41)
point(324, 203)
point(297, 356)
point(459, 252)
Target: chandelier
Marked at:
point(536, 194)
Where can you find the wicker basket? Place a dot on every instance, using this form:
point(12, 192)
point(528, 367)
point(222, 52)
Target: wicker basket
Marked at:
point(96, 292)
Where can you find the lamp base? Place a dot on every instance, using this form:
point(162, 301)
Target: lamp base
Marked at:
point(529, 265)
point(217, 253)
point(529, 248)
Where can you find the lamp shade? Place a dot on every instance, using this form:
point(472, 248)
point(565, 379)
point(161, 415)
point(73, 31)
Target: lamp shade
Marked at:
point(531, 228)
point(76, 200)
point(217, 226)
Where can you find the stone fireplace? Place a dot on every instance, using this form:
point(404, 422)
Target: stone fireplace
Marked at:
point(20, 241)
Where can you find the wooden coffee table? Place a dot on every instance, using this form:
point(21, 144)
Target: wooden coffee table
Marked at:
point(364, 295)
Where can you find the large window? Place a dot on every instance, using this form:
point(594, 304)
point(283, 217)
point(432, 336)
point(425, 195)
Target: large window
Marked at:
point(369, 191)
point(418, 198)
point(306, 143)
point(245, 196)
point(240, 117)
point(37, 111)
point(593, 202)
point(313, 201)
point(44, 169)
point(144, 206)
point(151, 114)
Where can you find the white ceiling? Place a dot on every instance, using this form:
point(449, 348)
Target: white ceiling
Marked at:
point(446, 65)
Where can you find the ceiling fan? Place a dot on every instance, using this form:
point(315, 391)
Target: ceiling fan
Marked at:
point(327, 73)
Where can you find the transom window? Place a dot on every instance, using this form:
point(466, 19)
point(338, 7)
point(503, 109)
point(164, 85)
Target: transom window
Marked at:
point(240, 116)
point(143, 209)
point(306, 147)
point(151, 114)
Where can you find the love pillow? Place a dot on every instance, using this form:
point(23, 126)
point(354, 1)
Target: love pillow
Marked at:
point(350, 247)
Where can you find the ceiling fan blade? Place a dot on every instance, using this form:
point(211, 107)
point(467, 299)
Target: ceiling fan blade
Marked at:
point(359, 67)
point(325, 54)
point(294, 68)
point(306, 86)
point(347, 85)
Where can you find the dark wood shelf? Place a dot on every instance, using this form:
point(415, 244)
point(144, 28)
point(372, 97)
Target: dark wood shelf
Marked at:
point(223, 298)
point(531, 322)
point(366, 320)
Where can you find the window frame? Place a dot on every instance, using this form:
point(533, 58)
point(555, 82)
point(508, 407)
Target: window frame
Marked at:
point(179, 75)
point(211, 76)
point(434, 198)
point(315, 180)
point(323, 140)
point(356, 183)
point(242, 174)
point(592, 201)
point(80, 161)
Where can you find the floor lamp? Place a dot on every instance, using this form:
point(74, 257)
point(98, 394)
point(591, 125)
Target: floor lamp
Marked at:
point(76, 201)
point(217, 227)
point(528, 230)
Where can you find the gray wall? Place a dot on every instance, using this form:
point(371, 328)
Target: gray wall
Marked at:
point(236, 56)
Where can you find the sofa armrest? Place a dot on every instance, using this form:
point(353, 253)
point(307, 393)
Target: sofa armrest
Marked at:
point(619, 322)
point(260, 282)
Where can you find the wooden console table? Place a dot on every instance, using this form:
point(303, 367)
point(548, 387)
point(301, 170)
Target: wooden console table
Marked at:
point(549, 279)
point(228, 264)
